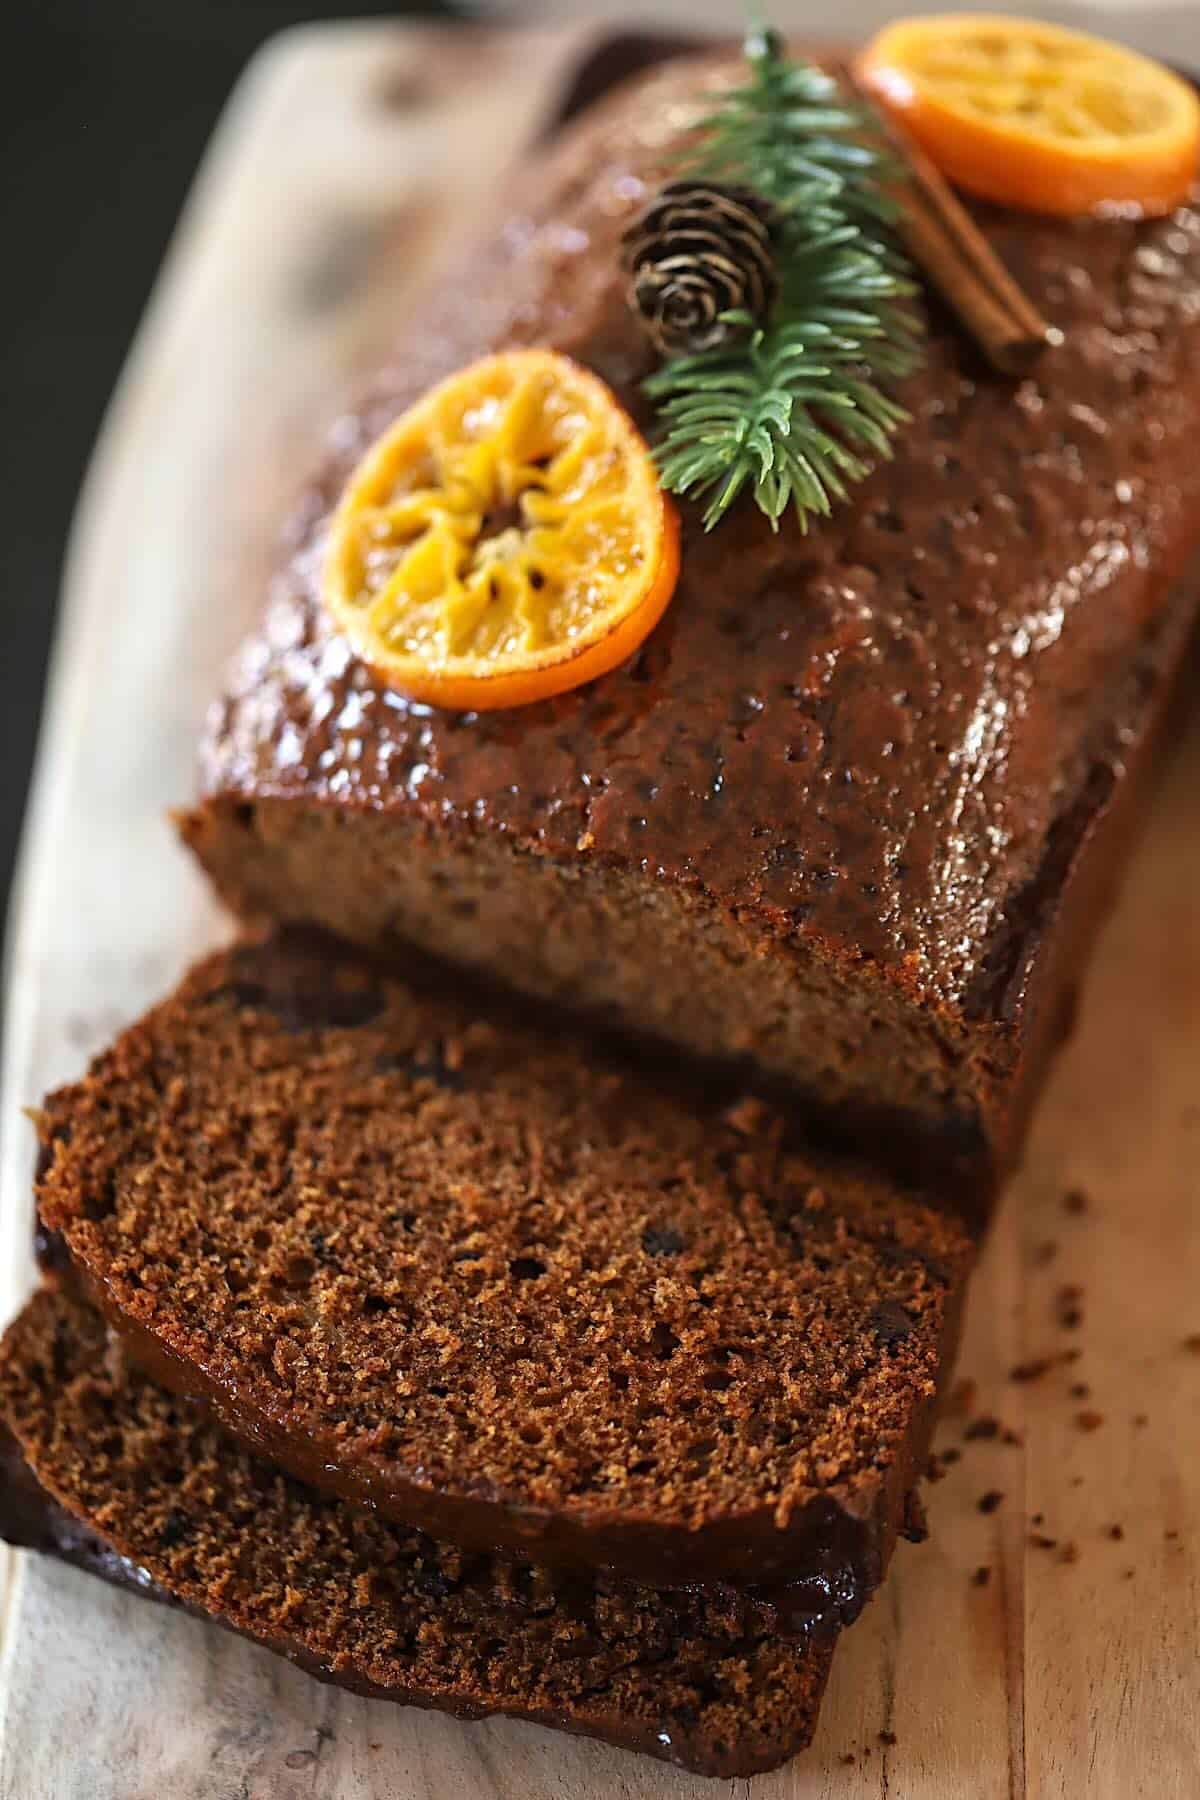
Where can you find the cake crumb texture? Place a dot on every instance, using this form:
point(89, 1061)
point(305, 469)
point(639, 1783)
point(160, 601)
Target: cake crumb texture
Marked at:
point(497, 1282)
point(153, 1493)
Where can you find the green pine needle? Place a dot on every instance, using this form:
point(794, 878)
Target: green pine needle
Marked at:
point(796, 410)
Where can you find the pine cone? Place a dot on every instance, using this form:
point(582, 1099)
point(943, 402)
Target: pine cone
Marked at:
point(697, 250)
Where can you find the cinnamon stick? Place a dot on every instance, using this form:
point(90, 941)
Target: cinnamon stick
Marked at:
point(944, 241)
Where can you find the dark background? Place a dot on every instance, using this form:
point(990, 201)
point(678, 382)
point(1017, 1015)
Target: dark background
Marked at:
point(105, 108)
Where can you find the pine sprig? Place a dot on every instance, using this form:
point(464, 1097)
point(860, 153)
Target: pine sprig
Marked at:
point(796, 410)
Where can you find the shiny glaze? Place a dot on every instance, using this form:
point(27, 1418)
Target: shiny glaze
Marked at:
point(864, 734)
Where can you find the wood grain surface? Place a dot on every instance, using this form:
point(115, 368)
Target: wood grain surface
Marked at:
point(349, 160)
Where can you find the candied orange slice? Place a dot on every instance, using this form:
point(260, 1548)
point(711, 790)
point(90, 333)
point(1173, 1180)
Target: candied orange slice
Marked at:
point(1035, 116)
point(506, 539)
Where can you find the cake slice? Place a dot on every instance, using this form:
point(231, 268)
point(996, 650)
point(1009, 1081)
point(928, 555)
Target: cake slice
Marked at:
point(853, 810)
point(100, 1467)
point(425, 1252)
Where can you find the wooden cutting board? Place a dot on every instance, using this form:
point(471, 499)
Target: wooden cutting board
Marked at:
point(348, 162)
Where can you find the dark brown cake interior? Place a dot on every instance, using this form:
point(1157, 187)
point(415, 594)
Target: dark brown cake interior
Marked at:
point(504, 1287)
point(699, 1678)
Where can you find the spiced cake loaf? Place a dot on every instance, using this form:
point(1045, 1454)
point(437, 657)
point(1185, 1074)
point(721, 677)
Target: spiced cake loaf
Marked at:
point(852, 810)
point(425, 1253)
point(101, 1468)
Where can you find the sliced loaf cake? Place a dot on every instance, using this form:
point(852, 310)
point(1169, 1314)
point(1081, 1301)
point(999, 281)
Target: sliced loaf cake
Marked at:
point(101, 1467)
point(429, 1254)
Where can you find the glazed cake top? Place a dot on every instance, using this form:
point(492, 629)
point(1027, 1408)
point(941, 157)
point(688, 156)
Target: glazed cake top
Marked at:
point(865, 733)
